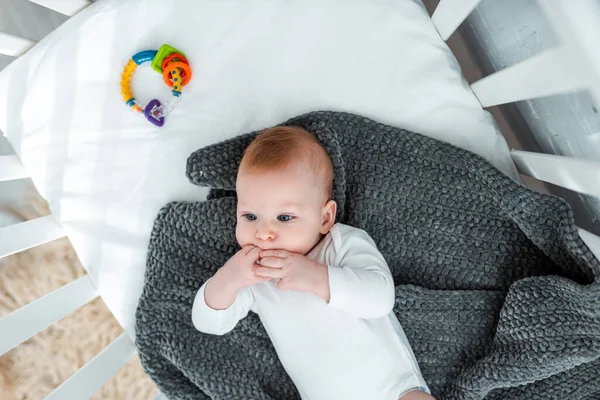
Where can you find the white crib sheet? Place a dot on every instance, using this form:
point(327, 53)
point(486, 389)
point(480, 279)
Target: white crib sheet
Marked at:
point(106, 172)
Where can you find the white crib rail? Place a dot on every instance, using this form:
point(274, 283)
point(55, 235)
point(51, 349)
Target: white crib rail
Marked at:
point(22, 324)
point(576, 25)
point(14, 46)
point(582, 176)
point(573, 65)
point(592, 241)
point(28, 234)
point(547, 73)
point(89, 378)
point(28, 320)
point(11, 168)
point(449, 14)
point(66, 7)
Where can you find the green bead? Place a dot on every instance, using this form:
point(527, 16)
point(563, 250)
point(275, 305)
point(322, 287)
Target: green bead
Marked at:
point(164, 51)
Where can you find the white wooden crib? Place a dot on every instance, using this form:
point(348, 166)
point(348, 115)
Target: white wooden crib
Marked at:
point(572, 65)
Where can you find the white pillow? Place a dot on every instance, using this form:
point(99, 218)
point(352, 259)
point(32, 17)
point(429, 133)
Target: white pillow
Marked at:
point(106, 171)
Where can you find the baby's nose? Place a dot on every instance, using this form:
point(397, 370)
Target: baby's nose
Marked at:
point(265, 232)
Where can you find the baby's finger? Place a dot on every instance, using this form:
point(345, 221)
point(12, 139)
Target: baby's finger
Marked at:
point(248, 248)
point(272, 262)
point(274, 253)
point(253, 253)
point(268, 272)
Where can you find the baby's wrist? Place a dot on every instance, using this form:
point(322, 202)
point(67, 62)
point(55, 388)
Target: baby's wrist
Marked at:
point(224, 283)
point(216, 296)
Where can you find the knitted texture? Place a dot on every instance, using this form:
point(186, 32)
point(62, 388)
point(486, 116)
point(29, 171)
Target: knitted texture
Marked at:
point(496, 292)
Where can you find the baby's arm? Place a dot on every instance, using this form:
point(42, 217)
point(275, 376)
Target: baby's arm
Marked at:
point(219, 321)
point(360, 283)
point(225, 298)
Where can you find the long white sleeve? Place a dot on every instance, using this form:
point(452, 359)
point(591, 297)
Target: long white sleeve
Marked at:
point(360, 281)
point(219, 322)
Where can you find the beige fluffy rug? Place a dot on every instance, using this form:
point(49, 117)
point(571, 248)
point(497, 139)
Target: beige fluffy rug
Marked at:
point(33, 369)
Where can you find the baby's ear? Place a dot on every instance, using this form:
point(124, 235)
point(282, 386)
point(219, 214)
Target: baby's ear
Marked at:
point(328, 216)
point(216, 165)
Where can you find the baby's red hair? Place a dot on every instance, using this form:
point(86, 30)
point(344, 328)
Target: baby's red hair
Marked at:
point(275, 149)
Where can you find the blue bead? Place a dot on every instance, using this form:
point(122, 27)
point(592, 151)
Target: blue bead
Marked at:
point(144, 56)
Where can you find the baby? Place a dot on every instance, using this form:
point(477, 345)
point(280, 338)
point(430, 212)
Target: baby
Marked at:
point(322, 290)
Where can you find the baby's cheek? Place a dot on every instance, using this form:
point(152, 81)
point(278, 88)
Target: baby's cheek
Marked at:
point(307, 241)
point(241, 235)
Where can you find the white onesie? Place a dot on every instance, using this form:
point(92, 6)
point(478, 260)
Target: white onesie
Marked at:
point(353, 347)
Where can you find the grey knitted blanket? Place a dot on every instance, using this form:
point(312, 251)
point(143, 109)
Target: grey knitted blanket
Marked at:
point(496, 291)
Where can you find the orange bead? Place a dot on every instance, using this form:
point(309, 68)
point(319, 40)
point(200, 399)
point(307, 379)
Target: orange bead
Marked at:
point(183, 67)
point(176, 57)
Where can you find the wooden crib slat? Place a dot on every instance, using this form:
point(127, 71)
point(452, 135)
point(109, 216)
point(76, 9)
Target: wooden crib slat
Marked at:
point(547, 73)
point(89, 378)
point(11, 168)
point(24, 235)
point(592, 241)
point(449, 14)
point(28, 320)
point(66, 7)
point(582, 176)
point(14, 46)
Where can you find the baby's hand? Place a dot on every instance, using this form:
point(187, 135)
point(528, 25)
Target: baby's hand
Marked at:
point(295, 272)
point(238, 271)
point(236, 274)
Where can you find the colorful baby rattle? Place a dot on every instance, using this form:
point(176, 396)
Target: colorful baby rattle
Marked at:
point(176, 72)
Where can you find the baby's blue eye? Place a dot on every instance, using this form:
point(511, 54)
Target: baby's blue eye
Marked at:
point(250, 217)
point(285, 218)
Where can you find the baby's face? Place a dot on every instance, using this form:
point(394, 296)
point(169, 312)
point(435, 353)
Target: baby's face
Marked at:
point(280, 210)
